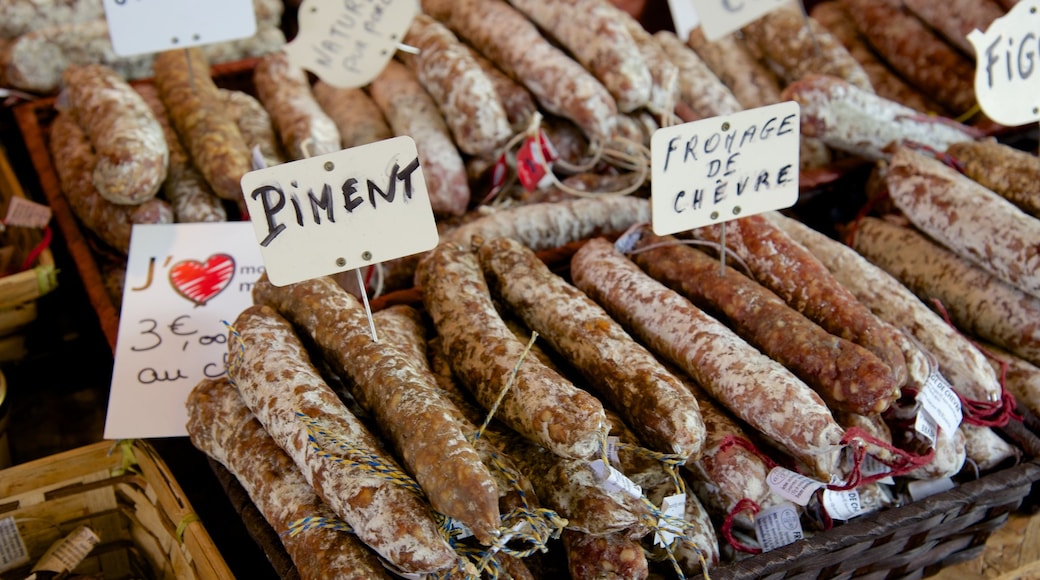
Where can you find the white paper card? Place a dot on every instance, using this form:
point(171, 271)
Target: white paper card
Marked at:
point(12, 546)
point(340, 211)
point(872, 466)
point(673, 506)
point(613, 480)
point(347, 44)
point(842, 505)
point(720, 17)
point(925, 425)
point(27, 214)
point(922, 488)
point(941, 402)
point(1007, 79)
point(684, 17)
point(791, 485)
point(723, 168)
point(778, 526)
point(612, 449)
point(146, 26)
point(183, 281)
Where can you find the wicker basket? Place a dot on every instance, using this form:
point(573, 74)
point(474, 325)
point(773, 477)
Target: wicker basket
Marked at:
point(19, 291)
point(127, 495)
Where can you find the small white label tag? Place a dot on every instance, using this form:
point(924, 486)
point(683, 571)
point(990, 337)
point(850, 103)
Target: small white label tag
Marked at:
point(673, 506)
point(612, 450)
point(347, 44)
point(147, 26)
point(464, 531)
point(925, 425)
point(27, 214)
point(941, 403)
point(613, 480)
point(792, 486)
point(842, 505)
point(871, 466)
point(922, 488)
point(1006, 79)
point(778, 526)
point(720, 17)
point(12, 547)
point(340, 211)
point(723, 168)
point(67, 553)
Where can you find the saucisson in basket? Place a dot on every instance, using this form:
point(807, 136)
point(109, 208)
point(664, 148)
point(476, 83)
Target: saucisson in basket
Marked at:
point(221, 426)
point(272, 371)
point(966, 217)
point(541, 405)
point(130, 150)
point(390, 385)
point(659, 407)
point(747, 382)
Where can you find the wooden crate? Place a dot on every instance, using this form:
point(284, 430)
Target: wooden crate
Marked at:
point(127, 495)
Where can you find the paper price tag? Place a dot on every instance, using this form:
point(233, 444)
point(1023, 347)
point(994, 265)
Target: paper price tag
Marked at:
point(842, 505)
point(347, 44)
point(612, 449)
point(922, 488)
point(941, 402)
point(792, 486)
point(723, 168)
point(1007, 82)
point(340, 211)
point(27, 214)
point(673, 506)
point(146, 26)
point(926, 426)
point(720, 17)
point(12, 547)
point(872, 466)
point(778, 526)
point(183, 281)
point(614, 480)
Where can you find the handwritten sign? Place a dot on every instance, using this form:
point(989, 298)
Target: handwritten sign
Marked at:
point(724, 168)
point(182, 282)
point(1007, 82)
point(340, 211)
point(347, 44)
point(720, 17)
point(147, 26)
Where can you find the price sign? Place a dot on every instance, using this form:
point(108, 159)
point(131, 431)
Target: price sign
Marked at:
point(1007, 82)
point(347, 44)
point(340, 211)
point(720, 17)
point(147, 26)
point(723, 168)
point(182, 282)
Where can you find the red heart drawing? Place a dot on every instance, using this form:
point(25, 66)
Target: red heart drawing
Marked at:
point(201, 281)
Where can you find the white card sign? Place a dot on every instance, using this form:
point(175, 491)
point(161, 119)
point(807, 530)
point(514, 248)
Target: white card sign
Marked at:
point(723, 168)
point(720, 17)
point(183, 281)
point(1007, 79)
point(340, 211)
point(777, 526)
point(147, 26)
point(346, 44)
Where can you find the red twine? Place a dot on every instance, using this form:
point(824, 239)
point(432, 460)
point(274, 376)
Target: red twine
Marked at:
point(984, 413)
point(903, 462)
point(744, 504)
point(732, 440)
point(30, 259)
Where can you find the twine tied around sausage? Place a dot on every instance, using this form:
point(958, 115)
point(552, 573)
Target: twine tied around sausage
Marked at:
point(984, 413)
point(530, 153)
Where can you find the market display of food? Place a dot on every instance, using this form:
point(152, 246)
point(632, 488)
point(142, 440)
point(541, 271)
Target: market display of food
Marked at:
point(556, 389)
